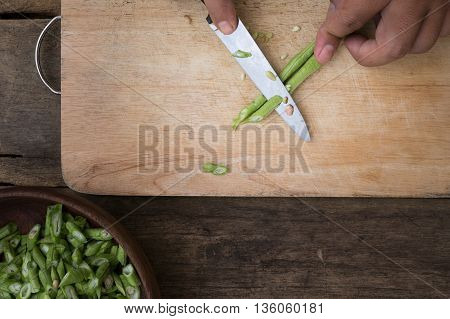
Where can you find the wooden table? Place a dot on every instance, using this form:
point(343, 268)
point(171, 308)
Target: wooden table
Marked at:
point(228, 247)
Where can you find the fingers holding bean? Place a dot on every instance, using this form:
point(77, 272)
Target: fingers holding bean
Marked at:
point(403, 27)
point(343, 18)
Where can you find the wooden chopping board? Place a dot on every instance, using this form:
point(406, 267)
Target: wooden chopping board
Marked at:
point(149, 95)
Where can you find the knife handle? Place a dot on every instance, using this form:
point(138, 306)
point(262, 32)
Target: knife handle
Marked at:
point(208, 18)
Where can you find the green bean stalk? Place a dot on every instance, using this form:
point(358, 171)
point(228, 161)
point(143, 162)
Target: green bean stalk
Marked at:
point(298, 69)
point(64, 258)
point(265, 110)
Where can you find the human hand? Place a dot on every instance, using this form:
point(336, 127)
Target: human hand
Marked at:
point(403, 26)
point(223, 14)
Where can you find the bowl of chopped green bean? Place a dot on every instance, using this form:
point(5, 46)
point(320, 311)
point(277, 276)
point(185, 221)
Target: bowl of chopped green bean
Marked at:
point(56, 245)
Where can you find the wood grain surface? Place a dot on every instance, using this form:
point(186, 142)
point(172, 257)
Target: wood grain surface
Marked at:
point(147, 97)
point(29, 113)
point(18, 9)
point(269, 248)
point(238, 247)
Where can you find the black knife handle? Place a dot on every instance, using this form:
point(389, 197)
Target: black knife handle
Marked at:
point(208, 18)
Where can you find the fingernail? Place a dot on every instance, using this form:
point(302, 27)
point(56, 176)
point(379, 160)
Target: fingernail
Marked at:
point(326, 54)
point(225, 27)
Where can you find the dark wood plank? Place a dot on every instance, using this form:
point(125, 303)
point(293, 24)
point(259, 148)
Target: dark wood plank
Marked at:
point(30, 114)
point(18, 9)
point(228, 248)
point(28, 171)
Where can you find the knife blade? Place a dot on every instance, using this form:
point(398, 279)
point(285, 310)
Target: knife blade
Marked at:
point(256, 67)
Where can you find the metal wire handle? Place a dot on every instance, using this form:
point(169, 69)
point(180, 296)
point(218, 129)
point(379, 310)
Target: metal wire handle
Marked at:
point(37, 52)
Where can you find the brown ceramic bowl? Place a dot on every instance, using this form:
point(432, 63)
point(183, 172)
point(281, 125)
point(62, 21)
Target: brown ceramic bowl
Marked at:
point(27, 206)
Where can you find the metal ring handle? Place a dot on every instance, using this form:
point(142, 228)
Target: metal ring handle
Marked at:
point(37, 52)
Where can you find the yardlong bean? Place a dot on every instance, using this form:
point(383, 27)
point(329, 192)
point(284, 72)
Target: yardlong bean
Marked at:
point(309, 68)
point(298, 69)
point(297, 62)
point(249, 110)
point(265, 110)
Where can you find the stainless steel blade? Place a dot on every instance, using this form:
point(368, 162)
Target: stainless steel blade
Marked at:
point(256, 67)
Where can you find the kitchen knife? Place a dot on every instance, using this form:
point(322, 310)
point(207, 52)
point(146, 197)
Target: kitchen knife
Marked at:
point(256, 67)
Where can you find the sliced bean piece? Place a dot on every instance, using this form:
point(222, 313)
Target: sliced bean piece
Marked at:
point(54, 273)
point(5, 295)
point(41, 295)
point(92, 287)
point(108, 282)
point(33, 277)
point(113, 251)
point(15, 241)
point(73, 276)
point(102, 271)
point(69, 292)
point(52, 258)
point(130, 291)
point(77, 257)
point(7, 230)
point(38, 257)
point(101, 259)
point(60, 269)
point(75, 232)
point(80, 221)
point(25, 291)
point(33, 236)
point(10, 269)
point(133, 292)
point(60, 294)
point(106, 245)
point(241, 54)
point(118, 283)
point(130, 275)
point(220, 170)
point(97, 234)
point(8, 252)
point(86, 270)
point(56, 221)
point(45, 279)
point(92, 248)
point(121, 256)
point(75, 242)
point(66, 256)
point(44, 248)
point(14, 287)
point(68, 217)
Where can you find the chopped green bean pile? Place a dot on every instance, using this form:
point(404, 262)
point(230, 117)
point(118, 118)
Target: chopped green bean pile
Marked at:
point(64, 259)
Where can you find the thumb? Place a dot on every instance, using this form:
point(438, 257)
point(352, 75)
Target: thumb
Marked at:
point(223, 14)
